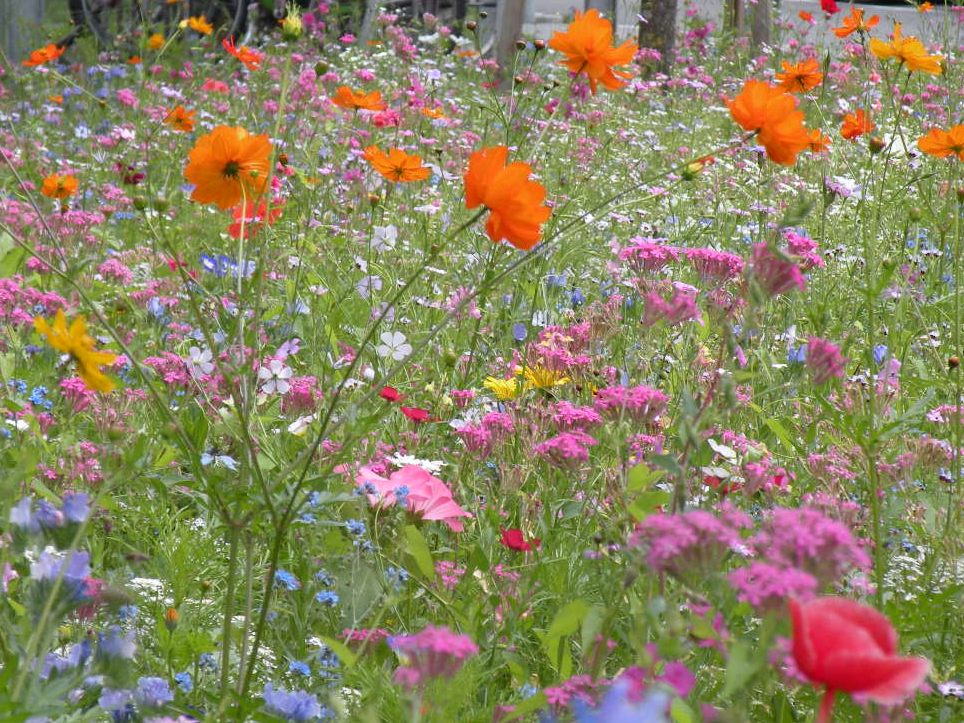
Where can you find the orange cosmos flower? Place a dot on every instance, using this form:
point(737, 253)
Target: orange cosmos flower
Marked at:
point(57, 186)
point(908, 51)
point(350, 99)
point(801, 77)
point(588, 47)
point(925, 7)
point(941, 143)
point(80, 346)
point(805, 16)
point(134, 60)
point(396, 165)
point(854, 23)
point(515, 203)
point(251, 58)
point(42, 56)
point(181, 119)
point(156, 41)
point(856, 124)
point(434, 113)
point(228, 165)
point(772, 114)
point(199, 24)
point(818, 141)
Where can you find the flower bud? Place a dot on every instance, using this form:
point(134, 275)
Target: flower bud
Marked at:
point(171, 618)
point(953, 362)
point(540, 44)
point(914, 213)
point(877, 144)
point(520, 44)
point(471, 26)
point(291, 26)
point(140, 203)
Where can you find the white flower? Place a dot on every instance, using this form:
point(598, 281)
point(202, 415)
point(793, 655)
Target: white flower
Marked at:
point(300, 426)
point(394, 345)
point(199, 362)
point(384, 238)
point(432, 466)
point(275, 376)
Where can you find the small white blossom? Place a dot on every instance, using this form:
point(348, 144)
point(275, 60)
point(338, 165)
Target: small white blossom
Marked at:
point(275, 376)
point(394, 345)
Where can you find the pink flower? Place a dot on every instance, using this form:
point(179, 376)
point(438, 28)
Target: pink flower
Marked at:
point(435, 652)
point(640, 404)
point(775, 273)
point(824, 360)
point(568, 449)
point(427, 496)
point(715, 265)
point(768, 587)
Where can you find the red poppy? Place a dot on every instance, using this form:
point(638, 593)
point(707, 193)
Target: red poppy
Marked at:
point(852, 648)
point(390, 394)
point(254, 217)
point(717, 484)
point(416, 414)
point(829, 6)
point(515, 540)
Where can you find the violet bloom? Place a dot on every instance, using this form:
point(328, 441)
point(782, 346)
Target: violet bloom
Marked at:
point(435, 652)
point(824, 360)
point(295, 706)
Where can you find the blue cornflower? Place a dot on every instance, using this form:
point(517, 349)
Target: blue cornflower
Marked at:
point(49, 516)
point(327, 658)
point(328, 598)
point(323, 578)
point(127, 612)
point(397, 577)
point(295, 706)
point(618, 708)
point(797, 355)
point(76, 566)
point(184, 681)
point(38, 396)
point(577, 297)
point(355, 527)
point(21, 515)
point(76, 507)
point(299, 668)
point(207, 661)
point(19, 385)
point(283, 578)
point(116, 644)
point(519, 332)
point(153, 692)
point(880, 353)
point(401, 495)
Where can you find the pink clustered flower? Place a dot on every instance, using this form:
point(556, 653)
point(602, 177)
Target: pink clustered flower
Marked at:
point(715, 265)
point(767, 587)
point(566, 449)
point(775, 272)
point(568, 417)
point(435, 652)
point(364, 635)
point(824, 360)
point(427, 497)
point(679, 307)
point(693, 541)
point(640, 404)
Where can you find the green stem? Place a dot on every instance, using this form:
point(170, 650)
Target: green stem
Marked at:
point(233, 535)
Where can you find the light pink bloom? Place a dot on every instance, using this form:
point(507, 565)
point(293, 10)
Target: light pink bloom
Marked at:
point(428, 496)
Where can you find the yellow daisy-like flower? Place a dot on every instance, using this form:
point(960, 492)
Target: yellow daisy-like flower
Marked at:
point(539, 377)
point(907, 51)
point(503, 389)
point(80, 346)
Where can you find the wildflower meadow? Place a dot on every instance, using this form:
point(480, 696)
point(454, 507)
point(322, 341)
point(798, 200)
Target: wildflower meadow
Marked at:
point(372, 380)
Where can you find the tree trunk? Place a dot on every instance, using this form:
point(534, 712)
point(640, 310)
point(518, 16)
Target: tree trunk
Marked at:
point(762, 22)
point(510, 16)
point(368, 20)
point(657, 29)
point(735, 16)
point(19, 19)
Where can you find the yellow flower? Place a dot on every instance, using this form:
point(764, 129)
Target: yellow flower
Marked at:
point(155, 42)
point(540, 377)
point(80, 346)
point(503, 389)
point(908, 51)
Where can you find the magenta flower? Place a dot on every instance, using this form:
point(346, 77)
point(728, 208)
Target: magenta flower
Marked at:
point(775, 273)
point(435, 652)
point(824, 360)
point(640, 404)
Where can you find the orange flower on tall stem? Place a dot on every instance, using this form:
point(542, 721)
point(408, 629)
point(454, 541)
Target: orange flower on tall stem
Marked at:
point(397, 165)
point(856, 124)
point(588, 46)
point(942, 144)
point(350, 99)
point(515, 203)
point(59, 187)
point(44, 55)
point(199, 24)
point(771, 113)
point(854, 23)
point(818, 141)
point(800, 77)
point(80, 346)
point(251, 58)
point(909, 52)
point(181, 119)
point(228, 165)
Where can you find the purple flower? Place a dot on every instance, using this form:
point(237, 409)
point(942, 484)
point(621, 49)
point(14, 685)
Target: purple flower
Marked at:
point(295, 706)
point(153, 692)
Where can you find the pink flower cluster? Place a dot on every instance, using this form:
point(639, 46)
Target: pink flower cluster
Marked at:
point(641, 404)
point(435, 652)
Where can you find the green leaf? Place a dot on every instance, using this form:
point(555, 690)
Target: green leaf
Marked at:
point(740, 669)
point(418, 549)
point(642, 476)
point(644, 505)
point(529, 705)
point(556, 640)
point(780, 432)
point(680, 711)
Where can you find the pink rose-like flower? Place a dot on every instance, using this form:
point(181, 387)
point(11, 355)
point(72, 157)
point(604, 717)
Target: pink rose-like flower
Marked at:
point(435, 652)
point(426, 496)
point(852, 648)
